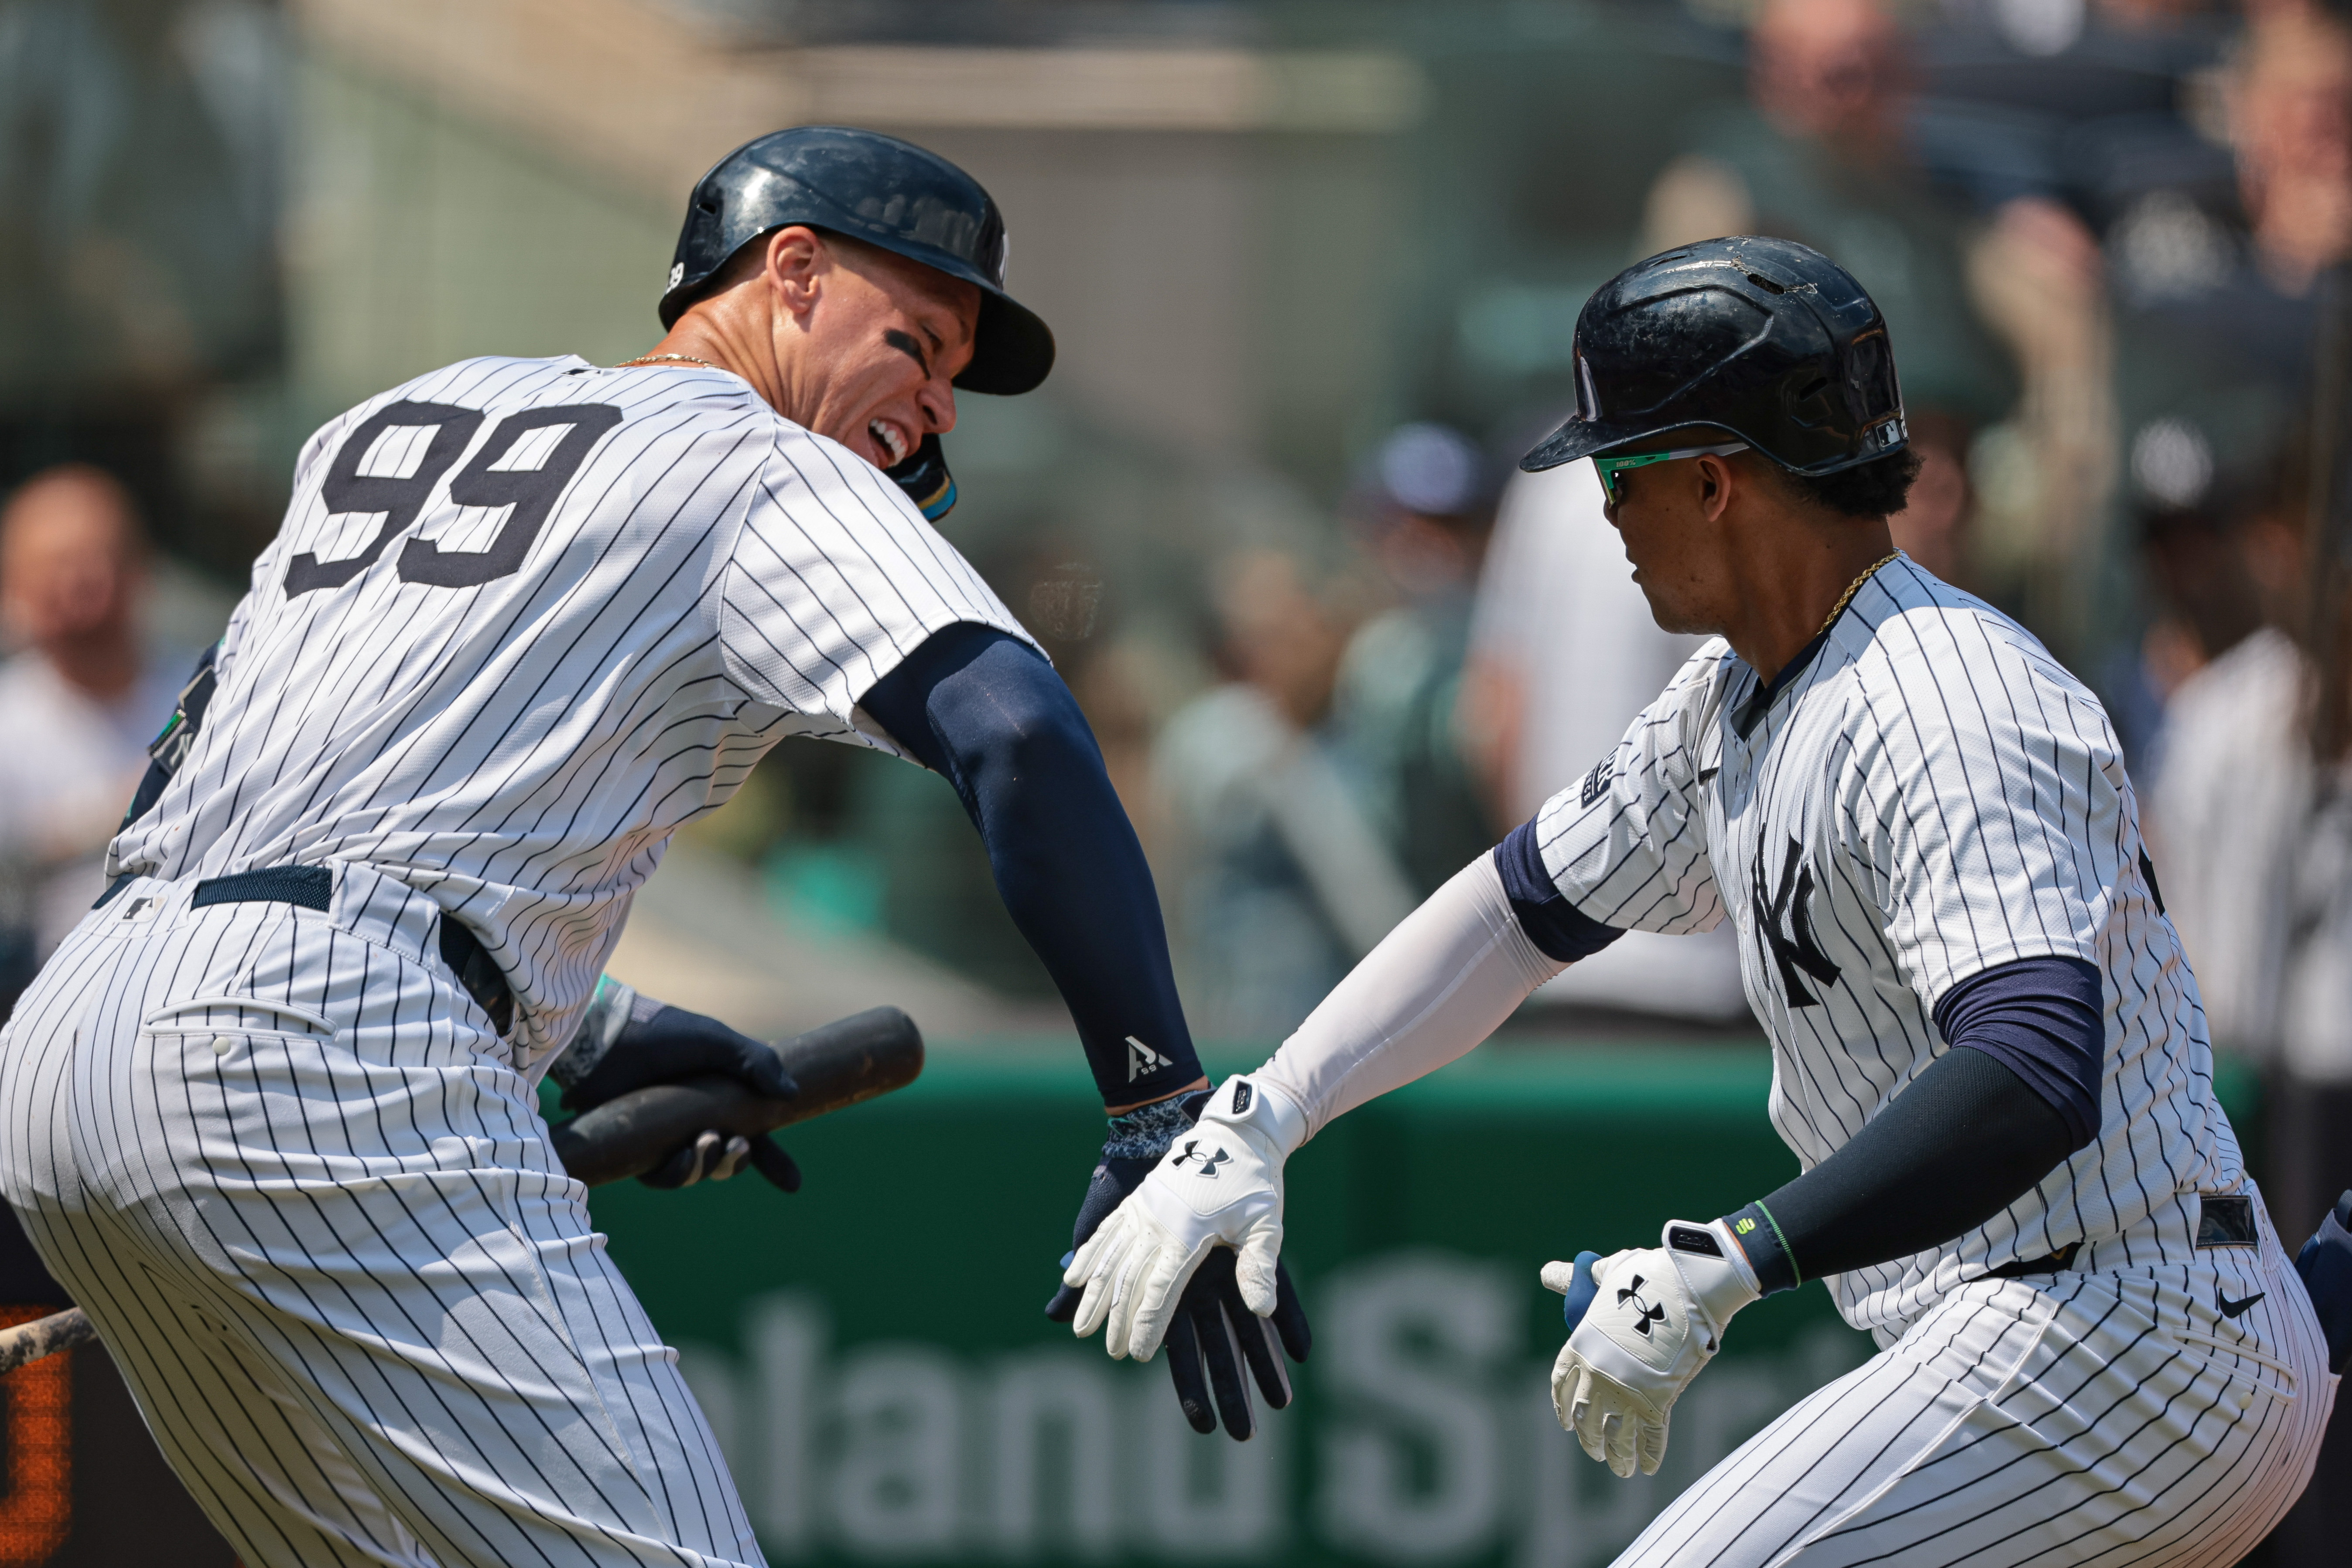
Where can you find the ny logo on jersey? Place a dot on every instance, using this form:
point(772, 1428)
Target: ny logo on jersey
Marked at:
point(1645, 1314)
point(1209, 1160)
point(1785, 925)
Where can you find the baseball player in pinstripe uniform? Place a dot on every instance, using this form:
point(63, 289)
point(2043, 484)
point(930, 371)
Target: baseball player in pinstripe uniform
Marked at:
point(1988, 1054)
point(269, 1113)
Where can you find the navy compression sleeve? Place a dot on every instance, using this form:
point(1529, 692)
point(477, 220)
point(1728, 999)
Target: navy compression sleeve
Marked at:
point(2018, 1094)
point(987, 712)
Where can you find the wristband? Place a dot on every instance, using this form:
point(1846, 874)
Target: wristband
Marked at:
point(609, 1012)
point(1766, 1250)
point(1147, 1132)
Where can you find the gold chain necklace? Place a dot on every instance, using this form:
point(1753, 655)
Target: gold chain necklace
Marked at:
point(1851, 589)
point(656, 359)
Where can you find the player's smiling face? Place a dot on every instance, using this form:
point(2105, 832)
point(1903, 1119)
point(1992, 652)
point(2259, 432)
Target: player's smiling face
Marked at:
point(881, 345)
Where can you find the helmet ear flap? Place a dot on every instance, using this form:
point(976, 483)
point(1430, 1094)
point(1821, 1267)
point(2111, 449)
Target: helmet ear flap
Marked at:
point(1870, 389)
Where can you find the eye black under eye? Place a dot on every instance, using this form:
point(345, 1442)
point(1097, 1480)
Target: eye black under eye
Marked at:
point(907, 345)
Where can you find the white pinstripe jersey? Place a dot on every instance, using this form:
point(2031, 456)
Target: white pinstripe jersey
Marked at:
point(523, 620)
point(1928, 797)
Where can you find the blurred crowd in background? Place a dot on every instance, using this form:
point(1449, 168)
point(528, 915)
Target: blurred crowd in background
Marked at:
point(1315, 268)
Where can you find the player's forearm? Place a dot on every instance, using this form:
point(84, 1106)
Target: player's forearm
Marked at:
point(1435, 986)
point(1966, 1139)
point(2017, 1093)
point(990, 715)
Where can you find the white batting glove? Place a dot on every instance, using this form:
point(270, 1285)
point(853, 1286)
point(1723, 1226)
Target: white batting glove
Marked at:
point(1221, 1182)
point(1657, 1318)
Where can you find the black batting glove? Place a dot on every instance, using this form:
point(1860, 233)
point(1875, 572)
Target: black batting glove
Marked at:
point(628, 1041)
point(1212, 1336)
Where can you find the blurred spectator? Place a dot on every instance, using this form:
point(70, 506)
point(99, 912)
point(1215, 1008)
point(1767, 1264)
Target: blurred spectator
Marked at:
point(79, 701)
point(2219, 308)
point(2219, 337)
point(1426, 513)
point(1822, 157)
point(1934, 526)
point(2047, 472)
point(1563, 654)
point(1278, 878)
point(2228, 787)
point(2249, 815)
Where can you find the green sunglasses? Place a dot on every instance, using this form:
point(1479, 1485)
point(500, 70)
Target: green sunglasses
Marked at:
point(1610, 468)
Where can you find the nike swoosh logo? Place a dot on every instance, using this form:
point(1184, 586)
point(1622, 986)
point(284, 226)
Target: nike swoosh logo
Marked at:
point(2236, 1308)
point(1707, 773)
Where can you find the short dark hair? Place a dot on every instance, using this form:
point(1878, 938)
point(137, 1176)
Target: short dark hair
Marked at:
point(1873, 490)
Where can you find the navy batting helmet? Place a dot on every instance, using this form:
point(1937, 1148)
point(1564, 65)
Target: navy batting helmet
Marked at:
point(1762, 338)
point(885, 192)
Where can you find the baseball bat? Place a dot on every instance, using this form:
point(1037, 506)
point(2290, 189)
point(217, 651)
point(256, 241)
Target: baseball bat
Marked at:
point(836, 1065)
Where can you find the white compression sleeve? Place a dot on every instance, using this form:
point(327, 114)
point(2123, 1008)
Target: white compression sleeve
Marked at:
point(1435, 986)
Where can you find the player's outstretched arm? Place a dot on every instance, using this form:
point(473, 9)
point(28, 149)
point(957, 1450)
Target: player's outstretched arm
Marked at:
point(1434, 988)
point(987, 712)
point(2015, 1096)
point(628, 1041)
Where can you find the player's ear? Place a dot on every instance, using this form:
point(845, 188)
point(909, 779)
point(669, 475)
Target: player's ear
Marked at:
point(793, 265)
point(1714, 484)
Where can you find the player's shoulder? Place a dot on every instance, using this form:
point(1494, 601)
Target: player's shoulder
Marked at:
point(1917, 644)
point(1697, 690)
point(495, 383)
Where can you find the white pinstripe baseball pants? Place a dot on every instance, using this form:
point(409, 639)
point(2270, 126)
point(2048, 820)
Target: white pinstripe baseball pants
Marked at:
point(281, 1159)
point(2111, 1420)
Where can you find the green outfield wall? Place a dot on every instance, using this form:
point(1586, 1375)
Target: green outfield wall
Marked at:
point(873, 1357)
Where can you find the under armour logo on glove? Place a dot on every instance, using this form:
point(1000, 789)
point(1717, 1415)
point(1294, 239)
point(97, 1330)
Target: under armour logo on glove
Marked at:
point(1141, 1059)
point(1645, 1314)
point(1208, 1161)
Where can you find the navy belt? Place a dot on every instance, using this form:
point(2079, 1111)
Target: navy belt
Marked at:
point(313, 888)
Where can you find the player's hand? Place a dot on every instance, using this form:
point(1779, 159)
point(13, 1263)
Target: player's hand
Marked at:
point(2325, 1265)
point(714, 1156)
point(644, 1041)
point(1643, 1323)
point(1221, 1182)
point(629, 1041)
point(1217, 1347)
point(1211, 1325)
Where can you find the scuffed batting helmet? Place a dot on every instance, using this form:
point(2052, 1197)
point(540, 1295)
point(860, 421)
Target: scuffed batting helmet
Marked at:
point(885, 192)
point(1762, 338)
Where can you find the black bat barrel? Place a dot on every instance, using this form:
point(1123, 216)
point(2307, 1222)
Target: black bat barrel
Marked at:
point(836, 1065)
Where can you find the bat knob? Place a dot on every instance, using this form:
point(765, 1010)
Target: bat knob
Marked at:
point(1580, 1291)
